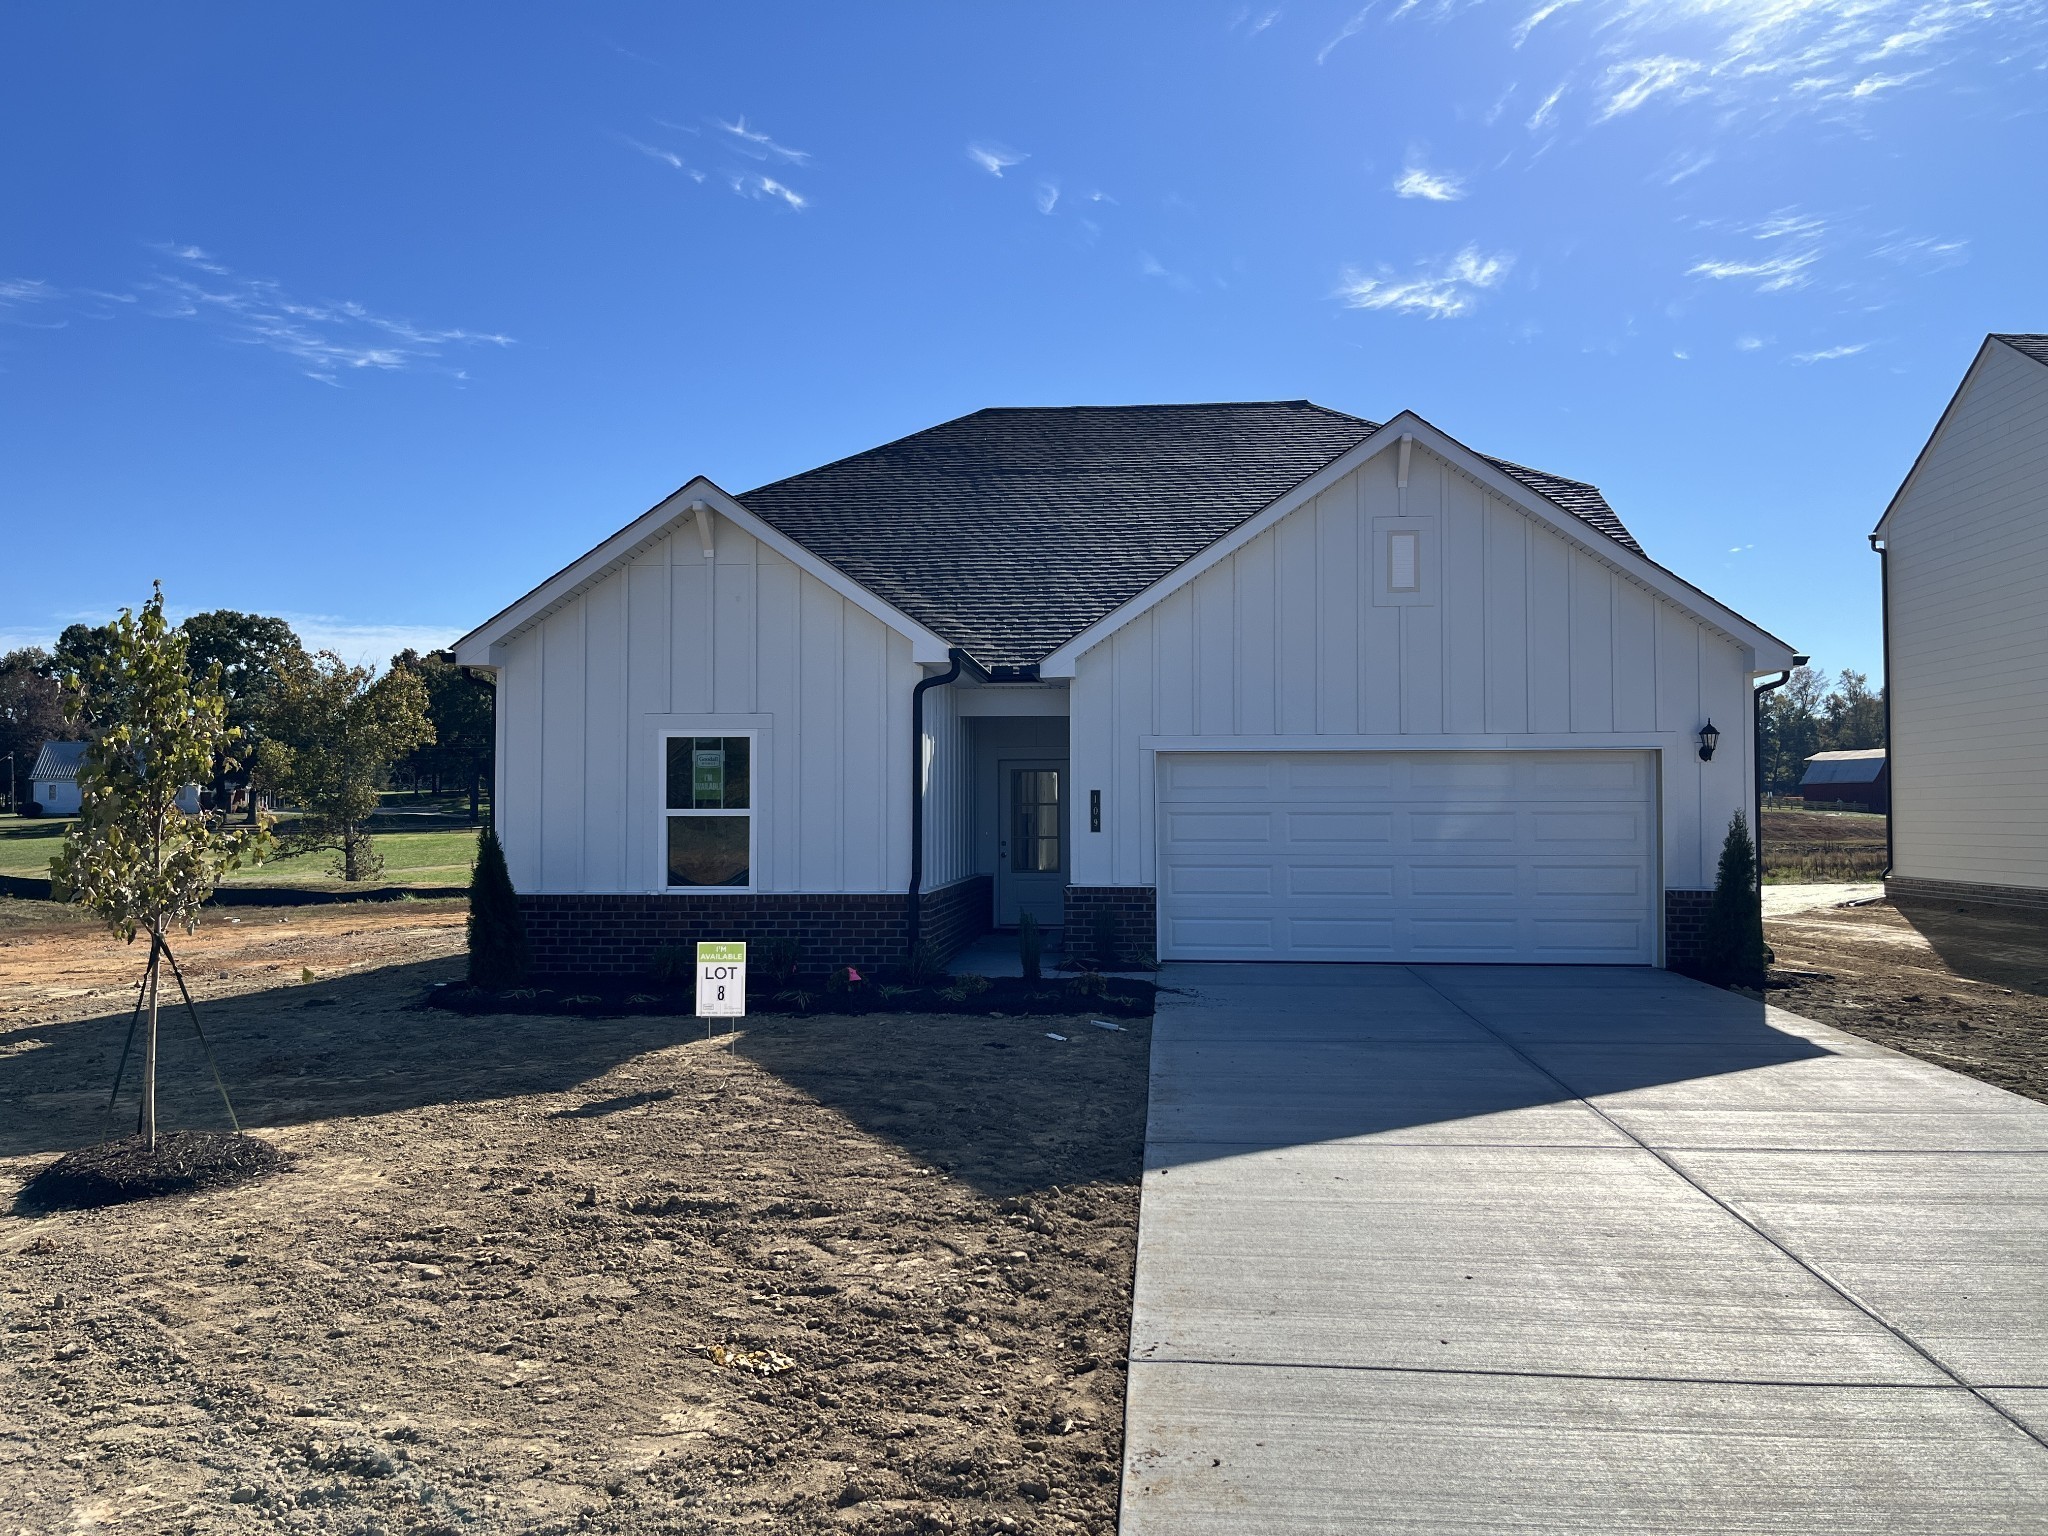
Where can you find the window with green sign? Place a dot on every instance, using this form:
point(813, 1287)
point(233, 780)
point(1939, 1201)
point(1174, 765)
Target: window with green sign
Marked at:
point(708, 811)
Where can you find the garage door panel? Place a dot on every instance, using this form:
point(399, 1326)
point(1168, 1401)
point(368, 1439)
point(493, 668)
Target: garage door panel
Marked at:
point(1464, 880)
point(1478, 856)
point(1623, 880)
point(1461, 827)
point(1212, 827)
point(1586, 827)
point(1321, 828)
point(1220, 880)
point(1340, 880)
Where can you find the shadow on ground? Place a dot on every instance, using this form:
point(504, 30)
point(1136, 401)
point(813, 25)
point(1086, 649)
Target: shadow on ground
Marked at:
point(992, 1102)
point(2005, 946)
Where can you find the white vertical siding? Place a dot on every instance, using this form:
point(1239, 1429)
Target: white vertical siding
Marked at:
point(744, 641)
point(1968, 568)
point(1523, 640)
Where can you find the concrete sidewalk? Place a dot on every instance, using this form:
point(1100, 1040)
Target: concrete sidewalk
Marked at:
point(1484, 1249)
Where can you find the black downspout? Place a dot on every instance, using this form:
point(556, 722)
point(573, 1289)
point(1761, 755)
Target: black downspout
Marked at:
point(1891, 771)
point(1756, 767)
point(960, 659)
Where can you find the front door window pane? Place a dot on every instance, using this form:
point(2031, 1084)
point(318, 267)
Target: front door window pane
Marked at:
point(1035, 838)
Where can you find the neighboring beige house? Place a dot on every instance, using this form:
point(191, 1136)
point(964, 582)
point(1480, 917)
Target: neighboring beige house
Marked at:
point(1965, 550)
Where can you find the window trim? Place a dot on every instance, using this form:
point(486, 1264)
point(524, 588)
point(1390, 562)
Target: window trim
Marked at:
point(663, 814)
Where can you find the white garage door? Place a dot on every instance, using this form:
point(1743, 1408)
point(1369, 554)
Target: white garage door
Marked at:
point(1543, 857)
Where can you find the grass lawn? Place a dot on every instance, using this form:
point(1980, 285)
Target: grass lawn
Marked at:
point(435, 853)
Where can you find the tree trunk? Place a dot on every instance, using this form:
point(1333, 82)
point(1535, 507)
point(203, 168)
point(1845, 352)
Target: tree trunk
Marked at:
point(148, 1121)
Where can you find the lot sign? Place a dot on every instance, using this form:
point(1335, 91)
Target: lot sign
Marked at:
point(721, 981)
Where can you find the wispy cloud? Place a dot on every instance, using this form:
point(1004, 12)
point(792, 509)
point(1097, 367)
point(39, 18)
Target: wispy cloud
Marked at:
point(1151, 266)
point(1829, 354)
point(1749, 343)
point(1795, 239)
point(1535, 19)
point(754, 185)
point(19, 292)
point(1635, 81)
point(1546, 111)
point(1435, 186)
point(759, 146)
point(994, 158)
point(1253, 22)
point(360, 644)
point(1441, 290)
point(327, 338)
point(1774, 274)
point(1685, 166)
point(1349, 30)
point(667, 157)
point(1924, 253)
point(1048, 196)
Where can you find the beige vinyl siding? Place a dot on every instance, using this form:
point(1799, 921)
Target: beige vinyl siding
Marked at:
point(1968, 571)
point(1522, 641)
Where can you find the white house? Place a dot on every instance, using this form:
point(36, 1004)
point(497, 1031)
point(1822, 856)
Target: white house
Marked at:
point(1239, 681)
point(1965, 551)
point(53, 781)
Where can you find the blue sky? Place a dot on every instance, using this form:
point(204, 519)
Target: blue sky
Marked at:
point(374, 315)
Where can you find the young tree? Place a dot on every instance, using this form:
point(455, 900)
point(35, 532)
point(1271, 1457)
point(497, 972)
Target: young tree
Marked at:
point(1732, 939)
point(249, 650)
point(330, 735)
point(461, 708)
point(133, 858)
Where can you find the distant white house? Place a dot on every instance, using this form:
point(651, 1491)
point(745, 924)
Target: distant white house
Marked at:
point(1965, 550)
point(53, 781)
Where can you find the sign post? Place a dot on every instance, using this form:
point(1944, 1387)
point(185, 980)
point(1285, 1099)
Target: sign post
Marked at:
point(721, 982)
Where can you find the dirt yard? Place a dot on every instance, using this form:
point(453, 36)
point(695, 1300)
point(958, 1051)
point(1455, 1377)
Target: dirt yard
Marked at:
point(1963, 987)
point(531, 1274)
point(1822, 847)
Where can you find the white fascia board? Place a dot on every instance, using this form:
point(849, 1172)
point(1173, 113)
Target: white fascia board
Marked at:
point(1881, 531)
point(1766, 652)
point(478, 648)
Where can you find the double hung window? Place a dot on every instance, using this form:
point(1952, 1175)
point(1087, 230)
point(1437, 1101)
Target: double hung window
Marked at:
point(708, 814)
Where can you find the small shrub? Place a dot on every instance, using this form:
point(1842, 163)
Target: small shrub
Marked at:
point(1030, 946)
point(1732, 949)
point(926, 968)
point(1102, 940)
point(1090, 984)
point(497, 933)
point(796, 998)
point(31, 808)
point(776, 960)
point(673, 963)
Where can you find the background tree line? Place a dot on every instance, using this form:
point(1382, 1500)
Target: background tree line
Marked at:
point(1810, 714)
point(321, 737)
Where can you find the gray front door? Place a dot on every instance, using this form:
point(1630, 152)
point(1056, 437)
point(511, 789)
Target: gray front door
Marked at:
point(1031, 840)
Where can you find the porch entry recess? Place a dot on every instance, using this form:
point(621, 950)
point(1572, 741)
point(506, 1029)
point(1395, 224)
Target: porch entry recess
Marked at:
point(1545, 857)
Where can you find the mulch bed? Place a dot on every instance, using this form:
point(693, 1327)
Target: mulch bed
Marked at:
point(115, 1172)
point(1113, 997)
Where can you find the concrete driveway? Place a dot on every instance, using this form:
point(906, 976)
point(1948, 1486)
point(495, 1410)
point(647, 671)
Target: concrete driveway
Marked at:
point(1450, 1249)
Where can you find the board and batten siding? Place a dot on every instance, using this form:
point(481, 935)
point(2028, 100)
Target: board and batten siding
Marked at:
point(1967, 558)
point(1520, 640)
point(745, 641)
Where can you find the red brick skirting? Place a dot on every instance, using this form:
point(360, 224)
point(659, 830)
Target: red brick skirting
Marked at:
point(619, 934)
point(1908, 888)
point(1133, 909)
point(1685, 922)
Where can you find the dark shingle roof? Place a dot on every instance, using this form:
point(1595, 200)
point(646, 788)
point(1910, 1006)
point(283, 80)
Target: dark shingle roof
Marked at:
point(2034, 345)
point(1012, 530)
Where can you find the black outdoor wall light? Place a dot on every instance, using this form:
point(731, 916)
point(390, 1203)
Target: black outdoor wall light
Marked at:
point(1709, 739)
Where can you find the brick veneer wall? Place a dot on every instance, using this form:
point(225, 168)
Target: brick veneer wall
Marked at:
point(619, 934)
point(1135, 909)
point(1685, 922)
point(1907, 888)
